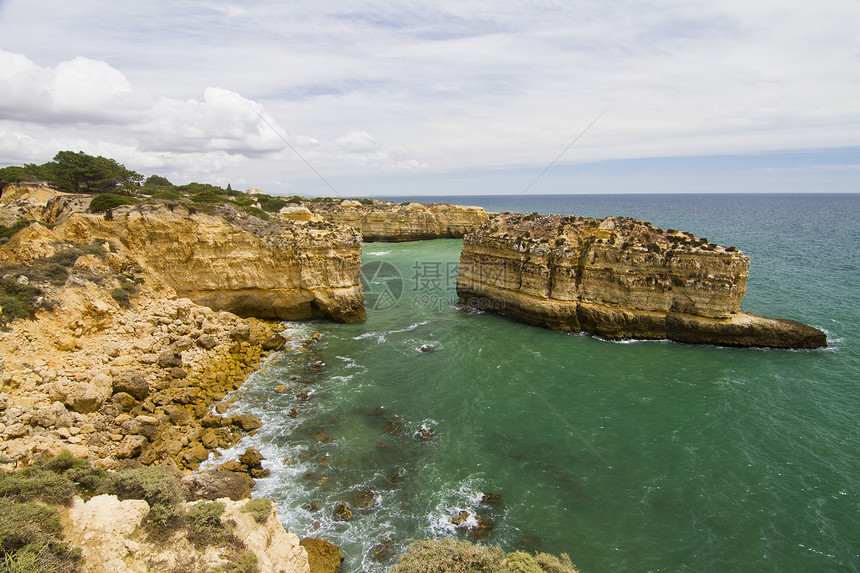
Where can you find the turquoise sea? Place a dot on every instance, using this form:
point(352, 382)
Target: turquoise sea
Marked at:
point(643, 456)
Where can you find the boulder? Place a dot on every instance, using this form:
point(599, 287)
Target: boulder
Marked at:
point(323, 557)
point(101, 528)
point(365, 499)
point(179, 416)
point(132, 383)
point(131, 446)
point(274, 342)
point(83, 397)
point(247, 422)
point(252, 459)
point(241, 332)
point(182, 343)
point(124, 401)
point(195, 454)
point(207, 342)
point(169, 359)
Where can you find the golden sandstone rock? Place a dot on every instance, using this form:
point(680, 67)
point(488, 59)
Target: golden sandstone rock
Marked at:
point(280, 269)
point(386, 221)
point(617, 278)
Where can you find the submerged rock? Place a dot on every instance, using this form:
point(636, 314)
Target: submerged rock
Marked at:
point(365, 499)
point(383, 550)
point(476, 525)
point(425, 433)
point(341, 512)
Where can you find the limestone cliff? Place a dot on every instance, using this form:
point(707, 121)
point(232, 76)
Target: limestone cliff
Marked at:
point(38, 202)
point(386, 221)
point(112, 537)
point(617, 278)
point(227, 260)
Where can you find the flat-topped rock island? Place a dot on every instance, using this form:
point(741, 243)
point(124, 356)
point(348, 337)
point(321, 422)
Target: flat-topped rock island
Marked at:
point(617, 278)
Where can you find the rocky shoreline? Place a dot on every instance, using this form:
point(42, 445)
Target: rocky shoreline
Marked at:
point(143, 318)
point(117, 368)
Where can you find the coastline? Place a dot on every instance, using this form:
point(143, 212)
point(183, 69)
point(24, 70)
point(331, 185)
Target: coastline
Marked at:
point(24, 377)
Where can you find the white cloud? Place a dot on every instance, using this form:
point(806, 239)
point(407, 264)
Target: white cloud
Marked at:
point(78, 90)
point(363, 88)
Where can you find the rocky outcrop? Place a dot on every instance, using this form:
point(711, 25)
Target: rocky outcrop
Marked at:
point(112, 537)
point(617, 278)
point(100, 390)
point(386, 221)
point(226, 260)
point(38, 202)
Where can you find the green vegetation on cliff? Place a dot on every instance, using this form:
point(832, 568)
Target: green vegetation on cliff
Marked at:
point(454, 556)
point(75, 173)
point(31, 535)
point(23, 287)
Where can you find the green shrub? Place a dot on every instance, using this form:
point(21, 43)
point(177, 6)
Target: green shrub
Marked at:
point(272, 204)
point(156, 181)
point(259, 508)
point(204, 520)
point(24, 523)
point(167, 194)
point(520, 562)
point(6, 233)
point(104, 201)
point(552, 564)
point(77, 470)
point(207, 197)
point(16, 301)
point(259, 213)
point(35, 483)
point(121, 296)
point(55, 273)
point(30, 540)
point(153, 484)
point(446, 556)
point(246, 562)
point(455, 556)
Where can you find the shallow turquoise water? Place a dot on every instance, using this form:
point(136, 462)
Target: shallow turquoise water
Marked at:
point(647, 456)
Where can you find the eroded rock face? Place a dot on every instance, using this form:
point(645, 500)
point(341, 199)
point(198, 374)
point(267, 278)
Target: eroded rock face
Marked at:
point(36, 202)
point(617, 278)
point(386, 221)
point(230, 260)
point(112, 538)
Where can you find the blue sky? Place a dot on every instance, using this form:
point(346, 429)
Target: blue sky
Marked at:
point(442, 97)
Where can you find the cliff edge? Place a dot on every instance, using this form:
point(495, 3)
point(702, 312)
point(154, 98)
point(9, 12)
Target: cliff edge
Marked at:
point(378, 220)
point(226, 259)
point(617, 278)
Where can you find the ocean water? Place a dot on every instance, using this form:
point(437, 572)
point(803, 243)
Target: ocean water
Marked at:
point(641, 456)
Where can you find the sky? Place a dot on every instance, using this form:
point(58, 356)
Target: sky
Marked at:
point(442, 97)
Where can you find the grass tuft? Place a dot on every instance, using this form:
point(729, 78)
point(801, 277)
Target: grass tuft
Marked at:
point(455, 556)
